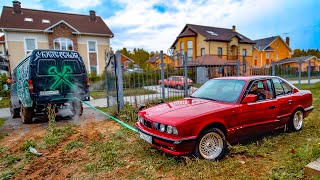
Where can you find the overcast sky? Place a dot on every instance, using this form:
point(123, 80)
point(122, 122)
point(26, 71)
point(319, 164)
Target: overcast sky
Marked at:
point(155, 24)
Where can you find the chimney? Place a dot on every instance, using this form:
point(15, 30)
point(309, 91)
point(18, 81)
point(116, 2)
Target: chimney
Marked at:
point(16, 7)
point(233, 28)
point(288, 41)
point(92, 15)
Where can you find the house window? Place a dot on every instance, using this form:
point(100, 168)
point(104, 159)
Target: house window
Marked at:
point(219, 51)
point(30, 44)
point(63, 44)
point(277, 56)
point(244, 52)
point(92, 46)
point(1, 49)
point(267, 55)
point(182, 47)
point(190, 50)
point(93, 69)
point(255, 56)
point(202, 52)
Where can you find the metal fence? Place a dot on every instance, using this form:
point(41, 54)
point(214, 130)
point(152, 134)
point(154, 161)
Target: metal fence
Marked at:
point(176, 77)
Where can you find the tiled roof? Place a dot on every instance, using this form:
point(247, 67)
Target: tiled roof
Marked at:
point(263, 44)
point(81, 23)
point(209, 60)
point(296, 59)
point(213, 34)
point(219, 34)
point(153, 59)
point(187, 32)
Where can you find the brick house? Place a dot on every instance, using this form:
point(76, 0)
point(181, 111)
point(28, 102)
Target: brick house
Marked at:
point(214, 43)
point(28, 29)
point(270, 49)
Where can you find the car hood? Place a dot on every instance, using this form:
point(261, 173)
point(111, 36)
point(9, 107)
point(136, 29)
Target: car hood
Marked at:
point(177, 112)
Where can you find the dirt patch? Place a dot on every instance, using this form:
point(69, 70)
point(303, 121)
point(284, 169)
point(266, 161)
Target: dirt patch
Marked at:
point(58, 162)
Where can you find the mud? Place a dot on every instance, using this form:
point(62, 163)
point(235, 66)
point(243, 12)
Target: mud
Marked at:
point(57, 163)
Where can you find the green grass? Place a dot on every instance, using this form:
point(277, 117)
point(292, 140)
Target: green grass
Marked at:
point(127, 92)
point(77, 143)
point(2, 120)
point(54, 136)
point(29, 143)
point(5, 102)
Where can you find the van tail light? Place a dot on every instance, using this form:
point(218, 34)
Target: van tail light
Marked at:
point(30, 84)
point(88, 82)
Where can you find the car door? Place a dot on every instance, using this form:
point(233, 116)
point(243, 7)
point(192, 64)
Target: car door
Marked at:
point(284, 95)
point(260, 116)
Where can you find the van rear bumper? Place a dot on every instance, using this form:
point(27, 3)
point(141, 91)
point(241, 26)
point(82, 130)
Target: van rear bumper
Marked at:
point(58, 99)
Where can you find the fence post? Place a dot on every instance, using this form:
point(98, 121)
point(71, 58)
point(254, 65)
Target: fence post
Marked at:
point(238, 67)
point(162, 77)
point(309, 72)
point(273, 66)
point(300, 64)
point(120, 97)
point(185, 74)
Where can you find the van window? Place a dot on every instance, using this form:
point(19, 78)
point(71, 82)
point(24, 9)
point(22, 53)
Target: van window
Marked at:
point(74, 65)
point(44, 65)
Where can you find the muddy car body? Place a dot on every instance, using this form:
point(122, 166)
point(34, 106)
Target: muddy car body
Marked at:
point(224, 110)
point(47, 76)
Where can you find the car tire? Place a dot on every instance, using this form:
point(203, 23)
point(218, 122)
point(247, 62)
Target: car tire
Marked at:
point(179, 87)
point(77, 108)
point(15, 112)
point(296, 121)
point(26, 114)
point(211, 144)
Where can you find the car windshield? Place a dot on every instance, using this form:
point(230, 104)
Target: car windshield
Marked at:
point(225, 90)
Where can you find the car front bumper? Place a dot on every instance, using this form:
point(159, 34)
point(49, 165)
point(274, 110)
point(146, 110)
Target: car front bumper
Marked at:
point(173, 145)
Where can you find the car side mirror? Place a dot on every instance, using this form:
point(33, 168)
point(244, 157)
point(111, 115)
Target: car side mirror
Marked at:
point(249, 98)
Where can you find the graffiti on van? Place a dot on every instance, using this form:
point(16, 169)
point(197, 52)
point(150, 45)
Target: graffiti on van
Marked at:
point(22, 75)
point(56, 54)
point(61, 77)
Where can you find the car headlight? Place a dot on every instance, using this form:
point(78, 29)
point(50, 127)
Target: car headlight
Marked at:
point(174, 130)
point(169, 129)
point(162, 127)
point(140, 118)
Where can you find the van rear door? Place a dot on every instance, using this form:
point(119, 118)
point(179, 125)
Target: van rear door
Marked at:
point(74, 79)
point(47, 81)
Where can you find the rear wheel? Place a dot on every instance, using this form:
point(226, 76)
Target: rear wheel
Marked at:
point(296, 121)
point(211, 145)
point(179, 87)
point(15, 112)
point(77, 108)
point(26, 115)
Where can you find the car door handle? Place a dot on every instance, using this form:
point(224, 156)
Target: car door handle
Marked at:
point(290, 101)
point(272, 107)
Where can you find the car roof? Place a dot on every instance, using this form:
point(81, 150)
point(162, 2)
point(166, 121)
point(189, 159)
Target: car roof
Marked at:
point(247, 78)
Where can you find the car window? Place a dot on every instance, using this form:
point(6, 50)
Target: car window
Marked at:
point(44, 65)
point(287, 88)
point(260, 89)
point(73, 65)
point(220, 90)
point(270, 89)
point(278, 87)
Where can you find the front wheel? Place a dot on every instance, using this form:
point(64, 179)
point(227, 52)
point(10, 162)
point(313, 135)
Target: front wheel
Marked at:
point(179, 87)
point(26, 115)
point(211, 145)
point(15, 112)
point(296, 121)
